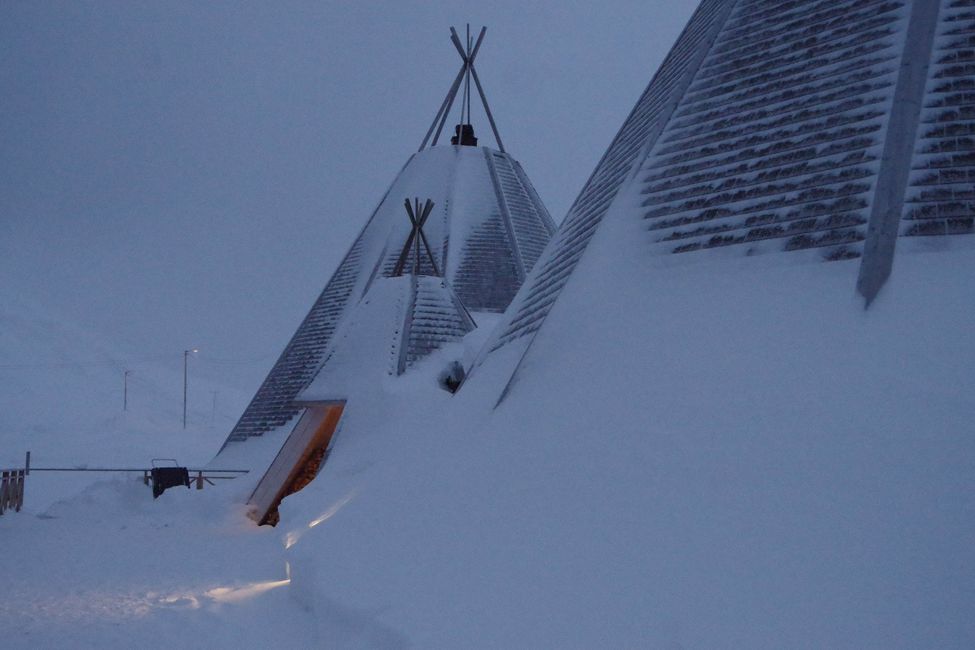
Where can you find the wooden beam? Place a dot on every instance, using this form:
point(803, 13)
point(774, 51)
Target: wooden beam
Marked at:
point(444, 106)
point(487, 109)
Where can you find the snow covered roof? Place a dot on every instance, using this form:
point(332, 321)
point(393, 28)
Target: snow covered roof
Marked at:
point(487, 228)
point(818, 129)
point(400, 321)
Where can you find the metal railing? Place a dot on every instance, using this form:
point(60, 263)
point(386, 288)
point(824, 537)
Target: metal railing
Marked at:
point(12, 487)
point(12, 480)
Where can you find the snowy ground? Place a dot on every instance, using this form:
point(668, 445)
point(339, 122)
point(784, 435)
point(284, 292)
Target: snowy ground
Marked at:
point(92, 560)
point(723, 455)
point(727, 454)
point(62, 400)
point(111, 568)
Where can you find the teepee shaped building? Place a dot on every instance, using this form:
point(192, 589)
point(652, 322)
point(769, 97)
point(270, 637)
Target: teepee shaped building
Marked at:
point(818, 130)
point(485, 229)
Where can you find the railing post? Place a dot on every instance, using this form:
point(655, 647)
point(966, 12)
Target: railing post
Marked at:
point(3, 490)
point(18, 504)
point(199, 480)
point(12, 482)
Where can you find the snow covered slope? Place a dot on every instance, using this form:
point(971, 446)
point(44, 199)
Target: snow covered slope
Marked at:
point(717, 456)
point(722, 455)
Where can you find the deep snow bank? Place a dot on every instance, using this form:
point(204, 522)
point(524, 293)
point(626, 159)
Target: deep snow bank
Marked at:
point(725, 454)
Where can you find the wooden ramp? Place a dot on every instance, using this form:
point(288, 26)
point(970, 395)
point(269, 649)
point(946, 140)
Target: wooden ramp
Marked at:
point(298, 462)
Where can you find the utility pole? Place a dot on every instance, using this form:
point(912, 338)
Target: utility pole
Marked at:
point(186, 356)
point(125, 390)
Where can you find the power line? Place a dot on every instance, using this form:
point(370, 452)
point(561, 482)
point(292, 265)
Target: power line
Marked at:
point(128, 362)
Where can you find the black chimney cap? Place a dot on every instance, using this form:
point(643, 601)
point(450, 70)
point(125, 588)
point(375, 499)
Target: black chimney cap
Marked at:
point(464, 135)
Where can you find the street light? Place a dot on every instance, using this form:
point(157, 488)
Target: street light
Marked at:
point(186, 355)
point(125, 390)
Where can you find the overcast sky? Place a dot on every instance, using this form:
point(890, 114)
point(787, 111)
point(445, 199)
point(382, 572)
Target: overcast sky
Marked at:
point(179, 174)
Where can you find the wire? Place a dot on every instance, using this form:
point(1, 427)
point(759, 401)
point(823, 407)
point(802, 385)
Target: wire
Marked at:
point(122, 364)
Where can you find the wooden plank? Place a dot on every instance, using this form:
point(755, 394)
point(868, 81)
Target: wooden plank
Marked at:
point(313, 433)
point(21, 475)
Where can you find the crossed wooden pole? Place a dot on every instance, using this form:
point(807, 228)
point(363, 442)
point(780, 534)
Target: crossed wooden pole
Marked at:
point(467, 70)
point(418, 216)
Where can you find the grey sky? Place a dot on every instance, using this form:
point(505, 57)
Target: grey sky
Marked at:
point(189, 174)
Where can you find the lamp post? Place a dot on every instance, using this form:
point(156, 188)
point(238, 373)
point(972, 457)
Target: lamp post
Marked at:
point(186, 356)
point(125, 390)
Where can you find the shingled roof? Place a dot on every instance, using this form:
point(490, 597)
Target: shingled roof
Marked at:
point(487, 228)
point(821, 130)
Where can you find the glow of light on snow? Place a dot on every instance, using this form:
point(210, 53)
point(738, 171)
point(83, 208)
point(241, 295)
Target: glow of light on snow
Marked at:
point(118, 606)
point(237, 594)
point(328, 514)
point(223, 594)
point(174, 600)
point(292, 537)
